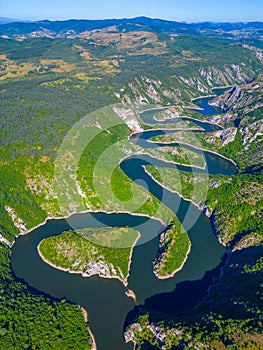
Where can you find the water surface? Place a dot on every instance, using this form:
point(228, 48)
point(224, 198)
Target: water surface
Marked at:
point(105, 299)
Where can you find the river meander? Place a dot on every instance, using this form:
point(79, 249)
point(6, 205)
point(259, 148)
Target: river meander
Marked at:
point(105, 299)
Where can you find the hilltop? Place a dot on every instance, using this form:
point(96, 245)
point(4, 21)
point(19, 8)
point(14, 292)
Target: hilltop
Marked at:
point(75, 28)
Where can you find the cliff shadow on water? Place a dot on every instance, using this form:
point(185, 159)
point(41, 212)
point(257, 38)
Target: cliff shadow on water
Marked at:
point(186, 296)
point(105, 300)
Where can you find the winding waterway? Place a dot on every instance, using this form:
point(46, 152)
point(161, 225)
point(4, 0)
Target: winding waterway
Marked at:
point(105, 299)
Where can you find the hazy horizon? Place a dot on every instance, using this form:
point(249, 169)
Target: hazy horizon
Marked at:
point(119, 18)
point(189, 11)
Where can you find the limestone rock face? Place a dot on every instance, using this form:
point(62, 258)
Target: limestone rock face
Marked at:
point(228, 135)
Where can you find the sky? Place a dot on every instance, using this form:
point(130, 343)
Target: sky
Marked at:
point(176, 10)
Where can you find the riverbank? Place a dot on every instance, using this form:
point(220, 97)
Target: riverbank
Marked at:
point(193, 147)
point(176, 192)
point(199, 149)
point(127, 212)
point(94, 345)
point(202, 97)
point(133, 135)
point(95, 267)
point(123, 281)
point(86, 318)
point(183, 118)
point(171, 275)
point(142, 257)
point(24, 233)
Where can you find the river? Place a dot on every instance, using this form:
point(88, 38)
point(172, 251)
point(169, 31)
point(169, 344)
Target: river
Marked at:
point(105, 299)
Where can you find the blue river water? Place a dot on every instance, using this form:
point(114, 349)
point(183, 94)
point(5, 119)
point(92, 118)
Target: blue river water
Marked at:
point(104, 299)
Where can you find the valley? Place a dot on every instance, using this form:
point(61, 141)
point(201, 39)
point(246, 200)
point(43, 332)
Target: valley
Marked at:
point(102, 121)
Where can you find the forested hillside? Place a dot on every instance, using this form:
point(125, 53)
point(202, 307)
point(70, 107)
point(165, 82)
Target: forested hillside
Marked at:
point(52, 74)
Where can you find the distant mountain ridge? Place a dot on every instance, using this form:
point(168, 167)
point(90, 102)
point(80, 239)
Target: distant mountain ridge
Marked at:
point(5, 20)
point(159, 26)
